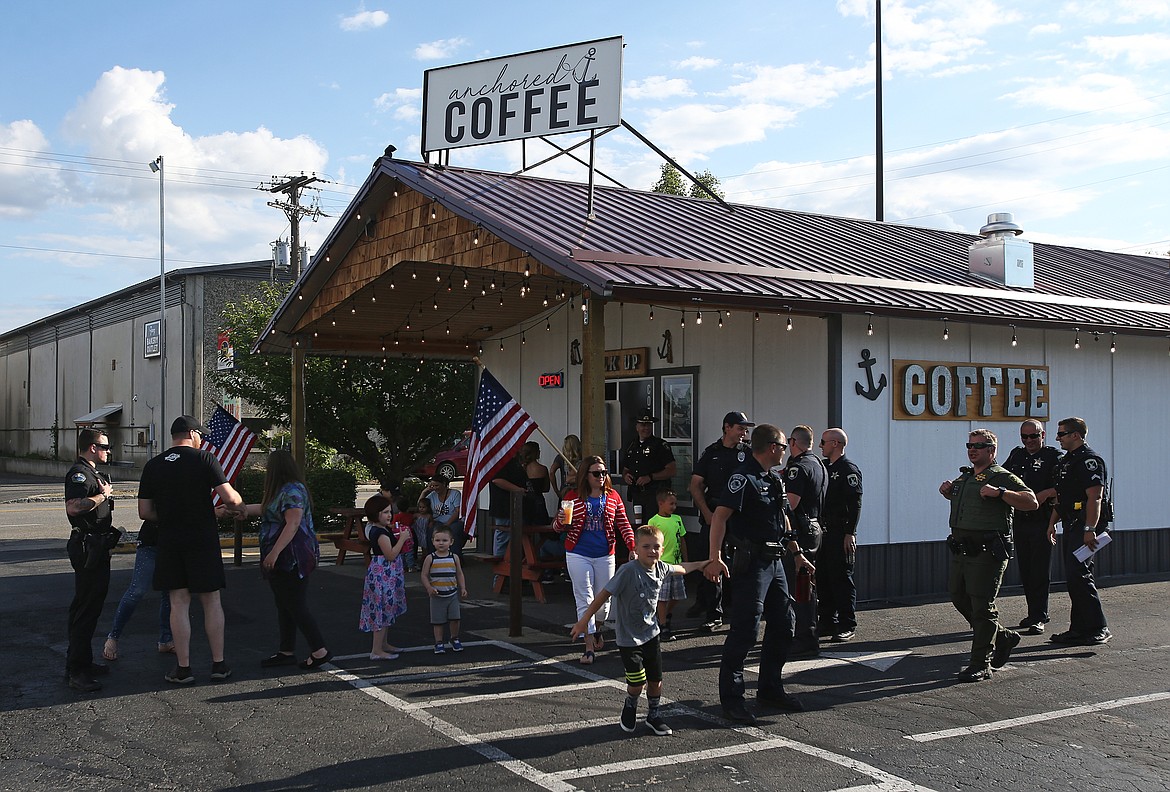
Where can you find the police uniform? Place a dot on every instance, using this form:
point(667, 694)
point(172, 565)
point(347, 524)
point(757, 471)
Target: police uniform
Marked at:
point(836, 592)
point(1076, 472)
point(645, 458)
point(1030, 529)
point(91, 570)
point(979, 543)
point(804, 475)
point(715, 466)
point(757, 531)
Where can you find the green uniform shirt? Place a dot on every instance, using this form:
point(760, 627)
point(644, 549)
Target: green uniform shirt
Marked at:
point(970, 511)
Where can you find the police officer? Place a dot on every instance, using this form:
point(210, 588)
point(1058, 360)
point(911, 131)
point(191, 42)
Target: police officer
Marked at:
point(751, 514)
point(1034, 462)
point(1080, 481)
point(805, 483)
point(708, 483)
point(982, 499)
point(837, 594)
point(89, 505)
point(647, 465)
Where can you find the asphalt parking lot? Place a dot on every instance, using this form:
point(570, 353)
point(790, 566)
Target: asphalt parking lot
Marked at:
point(518, 712)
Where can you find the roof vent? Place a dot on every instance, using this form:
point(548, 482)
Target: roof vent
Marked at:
point(999, 256)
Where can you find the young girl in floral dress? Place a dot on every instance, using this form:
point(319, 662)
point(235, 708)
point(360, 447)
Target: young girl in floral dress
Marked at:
point(384, 596)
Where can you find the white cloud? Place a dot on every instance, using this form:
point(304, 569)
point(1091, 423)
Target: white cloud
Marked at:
point(209, 217)
point(1049, 29)
point(657, 87)
point(442, 48)
point(28, 181)
point(691, 131)
point(1140, 50)
point(1080, 91)
point(1122, 12)
point(404, 103)
point(697, 63)
point(364, 20)
point(799, 84)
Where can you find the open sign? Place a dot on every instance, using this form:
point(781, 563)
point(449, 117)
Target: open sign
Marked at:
point(554, 380)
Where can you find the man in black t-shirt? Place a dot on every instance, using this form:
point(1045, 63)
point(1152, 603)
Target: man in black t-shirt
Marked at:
point(1034, 462)
point(805, 483)
point(175, 491)
point(511, 478)
point(89, 505)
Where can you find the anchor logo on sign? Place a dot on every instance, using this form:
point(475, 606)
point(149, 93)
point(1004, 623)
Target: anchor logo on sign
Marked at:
point(872, 391)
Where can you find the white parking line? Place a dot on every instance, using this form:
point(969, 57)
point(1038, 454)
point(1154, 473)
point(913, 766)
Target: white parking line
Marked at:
point(511, 694)
point(559, 781)
point(1009, 723)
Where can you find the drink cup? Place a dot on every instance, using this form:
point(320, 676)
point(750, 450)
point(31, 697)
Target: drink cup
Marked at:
point(637, 514)
point(566, 512)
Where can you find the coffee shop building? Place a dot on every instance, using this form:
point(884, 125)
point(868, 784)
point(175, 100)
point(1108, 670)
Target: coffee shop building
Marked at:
point(593, 304)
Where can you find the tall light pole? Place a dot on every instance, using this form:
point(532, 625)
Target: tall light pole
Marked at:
point(156, 165)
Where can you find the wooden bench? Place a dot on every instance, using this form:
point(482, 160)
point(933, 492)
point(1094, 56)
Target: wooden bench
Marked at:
point(532, 568)
point(348, 542)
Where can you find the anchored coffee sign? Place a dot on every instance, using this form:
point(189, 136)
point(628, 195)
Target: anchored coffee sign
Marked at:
point(547, 92)
point(933, 391)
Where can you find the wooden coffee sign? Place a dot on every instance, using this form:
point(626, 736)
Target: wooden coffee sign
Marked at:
point(927, 390)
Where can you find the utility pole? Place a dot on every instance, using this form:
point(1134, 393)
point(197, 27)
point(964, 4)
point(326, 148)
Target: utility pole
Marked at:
point(292, 187)
point(879, 146)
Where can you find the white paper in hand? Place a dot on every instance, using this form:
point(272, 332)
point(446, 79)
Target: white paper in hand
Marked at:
point(1083, 553)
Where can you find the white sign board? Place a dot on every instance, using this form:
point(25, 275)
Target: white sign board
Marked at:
point(152, 339)
point(547, 92)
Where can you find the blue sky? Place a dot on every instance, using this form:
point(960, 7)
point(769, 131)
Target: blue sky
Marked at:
point(1056, 111)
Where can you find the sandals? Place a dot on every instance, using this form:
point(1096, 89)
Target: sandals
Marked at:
point(391, 656)
point(598, 641)
point(110, 650)
point(587, 658)
point(316, 662)
point(278, 659)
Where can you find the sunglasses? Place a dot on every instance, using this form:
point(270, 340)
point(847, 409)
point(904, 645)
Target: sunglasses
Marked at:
point(1064, 434)
point(102, 446)
point(783, 446)
point(980, 445)
point(1032, 436)
point(826, 442)
point(598, 473)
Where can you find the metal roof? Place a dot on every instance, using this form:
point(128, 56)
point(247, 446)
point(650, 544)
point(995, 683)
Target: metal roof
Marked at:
point(639, 246)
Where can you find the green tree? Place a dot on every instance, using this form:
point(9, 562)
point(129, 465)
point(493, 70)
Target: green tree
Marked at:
point(389, 417)
point(671, 182)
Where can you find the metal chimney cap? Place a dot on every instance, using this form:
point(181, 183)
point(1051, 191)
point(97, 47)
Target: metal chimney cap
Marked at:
point(999, 222)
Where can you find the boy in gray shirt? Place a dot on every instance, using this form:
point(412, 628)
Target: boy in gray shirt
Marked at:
point(635, 587)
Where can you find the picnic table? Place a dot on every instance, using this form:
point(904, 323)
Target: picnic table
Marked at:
point(348, 541)
point(532, 566)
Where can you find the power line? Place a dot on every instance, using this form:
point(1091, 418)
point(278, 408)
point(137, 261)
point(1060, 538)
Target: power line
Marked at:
point(104, 255)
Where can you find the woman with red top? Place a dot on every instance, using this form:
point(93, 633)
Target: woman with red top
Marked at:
point(598, 517)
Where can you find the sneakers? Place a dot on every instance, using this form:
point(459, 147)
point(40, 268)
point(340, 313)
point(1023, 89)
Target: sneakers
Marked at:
point(180, 675)
point(843, 636)
point(629, 717)
point(456, 645)
point(713, 625)
point(1005, 642)
point(656, 724)
point(1100, 638)
point(975, 674)
point(440, 649)
point(220, 670)
point(83, 682)
point(1032, 626)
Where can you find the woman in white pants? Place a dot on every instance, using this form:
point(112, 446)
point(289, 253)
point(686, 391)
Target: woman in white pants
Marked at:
point(598, 517)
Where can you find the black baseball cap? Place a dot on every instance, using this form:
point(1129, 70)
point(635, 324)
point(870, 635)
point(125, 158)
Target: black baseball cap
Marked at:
point(736, 419)
point(187, 423)
point(645, 418)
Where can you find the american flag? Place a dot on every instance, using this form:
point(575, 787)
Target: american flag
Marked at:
point(229, 441)
point(498, 430)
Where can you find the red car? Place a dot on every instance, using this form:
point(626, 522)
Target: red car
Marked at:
point(451, 463)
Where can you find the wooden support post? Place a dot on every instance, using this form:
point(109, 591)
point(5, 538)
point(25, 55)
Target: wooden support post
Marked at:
point(593, 380)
